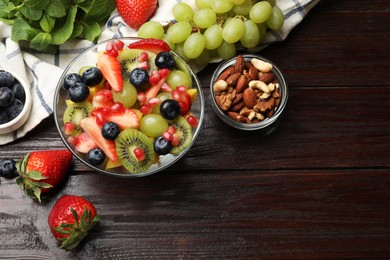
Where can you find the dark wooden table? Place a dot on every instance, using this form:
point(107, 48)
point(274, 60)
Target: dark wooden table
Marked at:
point(318, 187)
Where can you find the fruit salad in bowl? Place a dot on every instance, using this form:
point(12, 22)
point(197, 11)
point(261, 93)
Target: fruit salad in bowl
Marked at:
point(129, 107)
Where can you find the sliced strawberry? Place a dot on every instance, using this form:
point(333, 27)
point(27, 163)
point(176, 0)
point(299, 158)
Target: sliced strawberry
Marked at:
point(95, 132)
point(111, 69)
point(127, 118)
point(150, 44)
point(84, 143)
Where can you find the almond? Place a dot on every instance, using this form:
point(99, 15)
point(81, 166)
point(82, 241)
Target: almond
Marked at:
point(249, 98)
point(232, 79)
point(240, 64)
point(267, 77)
point(253, 73)
point(242, 83)
point(236, 116)
point(226, 73)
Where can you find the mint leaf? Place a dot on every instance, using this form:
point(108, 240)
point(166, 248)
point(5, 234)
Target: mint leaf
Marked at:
point(77, 30)
point(56, 8)
point(62, 32)
point(31, 13)
point(98, 10)
point(21, 30)
point(36, 4)
point(91, 31)
point(47, 23)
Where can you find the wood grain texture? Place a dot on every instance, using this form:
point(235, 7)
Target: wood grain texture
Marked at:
point(315, 188)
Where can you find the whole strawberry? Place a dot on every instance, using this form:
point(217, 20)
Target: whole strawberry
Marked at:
point(41, 171)
point(136, 12)
point(70, 220)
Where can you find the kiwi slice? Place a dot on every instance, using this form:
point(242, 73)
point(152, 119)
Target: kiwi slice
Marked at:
point(184, 130)
point(77, 111)
point(128, 59)
point(126, 142)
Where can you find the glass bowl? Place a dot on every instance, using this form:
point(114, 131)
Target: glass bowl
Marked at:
point(61, 101)
point(22, 117)
point(228, 95)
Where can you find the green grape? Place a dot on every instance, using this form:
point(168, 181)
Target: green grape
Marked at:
point(194, 45)
point(171, 44)
point(153, 125)
point(233, 30)
point(179, 50)
point(182, 12)
point(127, 96)
point(178, 78)
point(260, 12)
point(203, 59)
point(251, 37)
point(221, 6)
point(204, 18)
point(213, 37)
point(179, 31)
point(151, 29)
point(262, 30)
point(237, 2)
point(244, 8)
point(276, 20)
point(226, 50)
point(162, 96)
point(201, 4)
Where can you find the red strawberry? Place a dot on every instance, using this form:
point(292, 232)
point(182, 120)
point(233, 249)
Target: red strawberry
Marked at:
point(111, 69)
point(41, 171)
point(94, 130)
point(70, 220)
point(136, 12)
point(84, 143)
point(150, 44)
point(124, 119)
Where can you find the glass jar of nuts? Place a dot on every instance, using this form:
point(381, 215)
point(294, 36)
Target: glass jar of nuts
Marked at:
point(248, 92)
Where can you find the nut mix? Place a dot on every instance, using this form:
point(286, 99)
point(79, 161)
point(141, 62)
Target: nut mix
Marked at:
point(248, 92)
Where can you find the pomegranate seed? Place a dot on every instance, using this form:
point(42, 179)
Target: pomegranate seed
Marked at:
point(171, 129)
point(154, 101)
point(192, 121)
point(182, 89)
point(141, 96)
point(166, 88)
point(167, 136)
point(139, 154)
point(119, 44)
point(106, 85)
point(144, 65)
point(68, 128)
point(146, 109)
point(118, 107)
point(154, 78)
point(175, 139)
point(164, 72)
point(144, 56)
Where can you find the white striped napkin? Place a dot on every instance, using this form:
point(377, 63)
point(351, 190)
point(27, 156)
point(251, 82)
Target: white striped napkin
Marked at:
point(42, 70)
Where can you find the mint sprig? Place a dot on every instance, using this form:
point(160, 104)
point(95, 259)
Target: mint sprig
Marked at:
point(47, 23)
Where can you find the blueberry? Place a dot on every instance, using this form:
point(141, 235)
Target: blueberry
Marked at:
point(170, 109)
point(14, 109)
point(139, 77)
point(71, 79)
point(165, 60)
point(6, 79)
point(96, 156)
point(78, 92)
point(4, 118)
point(92, 76)
point(6, 96)
point(7, 168)
point(110, 130)
point(19, 93)
point(162, 146)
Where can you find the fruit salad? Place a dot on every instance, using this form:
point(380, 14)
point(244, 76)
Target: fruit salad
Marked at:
point(130, 108)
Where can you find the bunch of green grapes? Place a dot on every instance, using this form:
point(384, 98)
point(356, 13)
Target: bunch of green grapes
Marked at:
point(216, 28)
